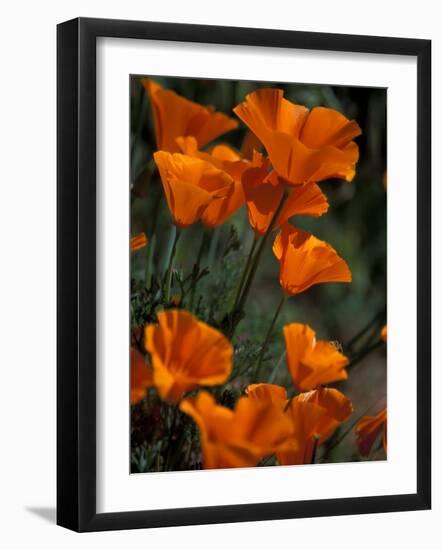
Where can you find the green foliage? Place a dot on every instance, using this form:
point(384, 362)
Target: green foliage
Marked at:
point(147, 458)
point(215, 297)
point(143, 302)
point(245, 357)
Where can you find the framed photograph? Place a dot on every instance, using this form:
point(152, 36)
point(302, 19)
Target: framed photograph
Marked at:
point(243, 274)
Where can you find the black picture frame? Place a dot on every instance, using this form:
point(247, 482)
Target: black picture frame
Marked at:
point(76, 273)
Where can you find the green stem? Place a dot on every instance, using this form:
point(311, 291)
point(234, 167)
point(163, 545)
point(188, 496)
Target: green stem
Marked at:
point(315, 448)
point(170, 266)
point(245, 271)
point(266, 460)
point(374, 321)
point(291, 394)
point(363, 354)
point(289, 402)
point(197, 270)
point(239, 373)
point(268, 336)
point(171, 441)
point(257, 257)
point(216, 233)
point(275, 370)
point(152, 241)
point(149, 262)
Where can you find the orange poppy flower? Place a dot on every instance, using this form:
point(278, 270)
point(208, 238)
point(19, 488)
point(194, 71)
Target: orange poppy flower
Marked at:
point(175, 116)
point(240, 437)
point(138, 242)
point(140, 376)
point(384, 333)
point(315, 416)
point(250, 143)
point(186, 353)
point(338, 408)
point(222, 156)
point(269, 393)
point(312, 363)
point(303, 146)
point(368, 429)
point(264, 193)
point(227, 159)
point(305, 261)
point(190, 185)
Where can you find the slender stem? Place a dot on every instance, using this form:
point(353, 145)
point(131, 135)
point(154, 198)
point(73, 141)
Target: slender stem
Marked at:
point(203, 245)
point(153, 240)
point(170, 442)
point(197, 270)
point(187, 454)
point(216, 234)
point(150, 254)
point(268, 336)
point(275, 370)
point(315, 448)
point(170, 266)
point(257, 257)
point(363, 354)
point(366, 328)
point(166, 251)
point(245, 271)
point(240, 372)
point(292, 393)
point(289, 402)
point(266, 460)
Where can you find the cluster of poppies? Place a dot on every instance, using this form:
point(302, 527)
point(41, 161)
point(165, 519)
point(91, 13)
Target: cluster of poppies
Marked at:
point(184, 356)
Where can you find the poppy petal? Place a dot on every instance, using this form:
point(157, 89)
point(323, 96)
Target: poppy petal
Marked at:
point(303, 146)
point(326, 126)
point(176, 116)
point(268, 393)
point(226, 159)
point(306, 261)
point(368, 429)
point(138, 242)
point(140, 376)
point(186, 353)
point(190, 185)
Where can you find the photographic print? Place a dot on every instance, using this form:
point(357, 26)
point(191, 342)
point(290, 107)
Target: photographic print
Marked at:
point(258, 249)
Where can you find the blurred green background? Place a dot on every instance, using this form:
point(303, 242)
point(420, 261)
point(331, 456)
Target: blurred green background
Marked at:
point(355, 225)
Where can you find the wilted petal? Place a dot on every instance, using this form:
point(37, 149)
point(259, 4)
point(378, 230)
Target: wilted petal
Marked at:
point(368, 429)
